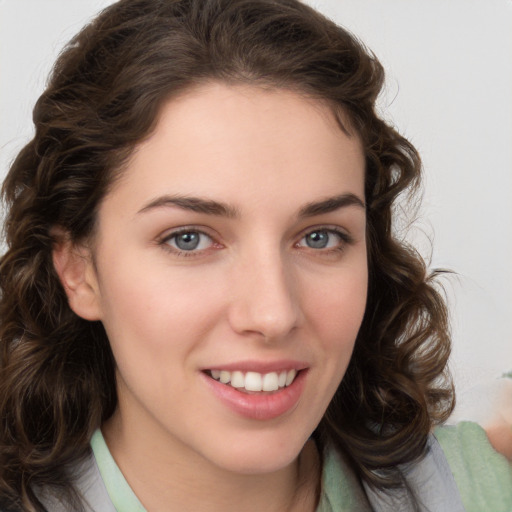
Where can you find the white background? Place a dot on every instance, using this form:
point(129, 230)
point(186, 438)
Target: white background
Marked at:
point(449, 90)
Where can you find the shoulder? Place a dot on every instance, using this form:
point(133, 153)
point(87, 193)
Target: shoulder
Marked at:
point(460, 471)
point(427, 481)
point(483, 476)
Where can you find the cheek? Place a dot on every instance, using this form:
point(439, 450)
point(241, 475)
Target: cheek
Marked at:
point(335, 316)
point(155, 308)
point(336, 310)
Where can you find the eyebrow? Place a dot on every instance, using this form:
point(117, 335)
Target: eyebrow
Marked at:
point(220, 209)
point(194, 204)
point(330, 204)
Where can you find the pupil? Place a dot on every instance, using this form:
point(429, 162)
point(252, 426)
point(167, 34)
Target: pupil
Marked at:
point(317, 239)
point(187, 241)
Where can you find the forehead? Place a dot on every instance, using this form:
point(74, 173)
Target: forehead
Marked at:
point(235, 142)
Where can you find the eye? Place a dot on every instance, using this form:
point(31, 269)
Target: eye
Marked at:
point(323, 239)
point(188, 241)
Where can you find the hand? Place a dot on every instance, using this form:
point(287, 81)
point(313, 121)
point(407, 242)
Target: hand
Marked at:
point(489, 405)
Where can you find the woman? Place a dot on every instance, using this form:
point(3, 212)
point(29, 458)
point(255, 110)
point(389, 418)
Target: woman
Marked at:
point(202, 282)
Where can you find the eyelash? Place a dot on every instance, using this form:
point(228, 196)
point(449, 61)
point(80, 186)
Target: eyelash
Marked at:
point(164, 242)
point(345, 239)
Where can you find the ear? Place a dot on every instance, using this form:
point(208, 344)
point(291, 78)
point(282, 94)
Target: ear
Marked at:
point(74, 266)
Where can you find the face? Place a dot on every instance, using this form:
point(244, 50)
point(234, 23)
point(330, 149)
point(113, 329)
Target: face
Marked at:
point(230, 274)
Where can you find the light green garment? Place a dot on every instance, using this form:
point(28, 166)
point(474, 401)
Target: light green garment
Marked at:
point(483, 477)
point(120, 493)
point(341, 490)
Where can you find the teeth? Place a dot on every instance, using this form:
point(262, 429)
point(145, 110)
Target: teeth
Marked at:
point(254, 381)
point(270, 382)
point(237, 380)
point(224, 377)
point(290, 376)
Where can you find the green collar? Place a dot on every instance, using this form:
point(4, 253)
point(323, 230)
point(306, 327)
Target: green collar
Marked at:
point(120, 493)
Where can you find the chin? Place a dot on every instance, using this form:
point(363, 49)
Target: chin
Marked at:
point(260, 456)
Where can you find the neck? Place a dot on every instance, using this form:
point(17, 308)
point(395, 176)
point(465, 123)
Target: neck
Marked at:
point(160, 477)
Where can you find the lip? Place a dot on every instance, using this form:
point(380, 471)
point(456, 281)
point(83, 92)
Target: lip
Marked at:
point(260, 366)
point(259, 406)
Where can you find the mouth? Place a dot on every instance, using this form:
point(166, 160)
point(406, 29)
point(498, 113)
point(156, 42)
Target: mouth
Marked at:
point(264, 395)
point(254, 382)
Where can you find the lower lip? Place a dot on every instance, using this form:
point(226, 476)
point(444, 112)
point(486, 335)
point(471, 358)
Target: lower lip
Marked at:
point(264, 406)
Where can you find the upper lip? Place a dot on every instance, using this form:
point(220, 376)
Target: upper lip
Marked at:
point(260, 366)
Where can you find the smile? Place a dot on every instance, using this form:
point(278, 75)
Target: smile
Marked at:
point(254, 381)
point(258, 395)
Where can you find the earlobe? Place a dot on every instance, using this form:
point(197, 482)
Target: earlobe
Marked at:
point(77, 275)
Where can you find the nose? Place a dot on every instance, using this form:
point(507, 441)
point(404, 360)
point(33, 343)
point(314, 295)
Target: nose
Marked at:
point(265, 299)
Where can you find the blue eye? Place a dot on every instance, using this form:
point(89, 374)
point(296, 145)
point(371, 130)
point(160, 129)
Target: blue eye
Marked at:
point(189, 241)
point(322, 239)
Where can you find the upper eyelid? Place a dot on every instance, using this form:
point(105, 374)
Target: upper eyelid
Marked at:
point(343, 237)
point(172, 232)
point(164, 242)
point(165, 239)
point(326, 227)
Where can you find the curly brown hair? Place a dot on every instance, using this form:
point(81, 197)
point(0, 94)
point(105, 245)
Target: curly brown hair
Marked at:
point(57, 380)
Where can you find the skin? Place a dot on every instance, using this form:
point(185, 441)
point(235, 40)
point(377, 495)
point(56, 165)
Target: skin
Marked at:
point(490, 405)
point(253, 291)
